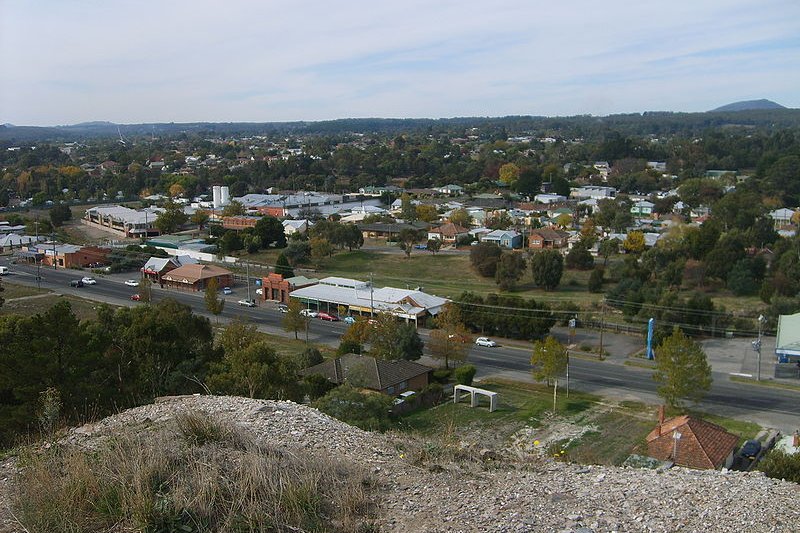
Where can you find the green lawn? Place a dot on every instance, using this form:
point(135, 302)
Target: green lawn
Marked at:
point(12, 291)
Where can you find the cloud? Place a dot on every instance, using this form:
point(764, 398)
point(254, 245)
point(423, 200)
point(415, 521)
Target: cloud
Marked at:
point(138, 61)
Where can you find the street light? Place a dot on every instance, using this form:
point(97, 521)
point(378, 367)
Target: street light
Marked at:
point(757, 346)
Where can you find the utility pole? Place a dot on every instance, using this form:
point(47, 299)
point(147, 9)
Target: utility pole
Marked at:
point(54, 252)
point(371, 304)
point(757, 346)
point(602, 324)
point(247, 265)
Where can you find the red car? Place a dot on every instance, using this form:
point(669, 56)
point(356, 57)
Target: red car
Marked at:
point(328, 317)
point(135, 297)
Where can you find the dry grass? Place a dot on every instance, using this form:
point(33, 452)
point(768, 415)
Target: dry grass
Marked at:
point(215, 478)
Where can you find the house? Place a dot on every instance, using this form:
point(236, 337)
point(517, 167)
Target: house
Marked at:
point(548, 238)
point(782, 217)
point(478, 233)
point(504, 238)
point(156, 267)
point(592, 191)
point(448, 232)
point(295, 226)
point(238, 223)
point(387, 377)
point(451, 190)
point(12, 240)
point(549, 198)
point(642, 208)
point(123, 220)
point(382, 230)
point(196, 277)
point(277, 288)
point(691, 442)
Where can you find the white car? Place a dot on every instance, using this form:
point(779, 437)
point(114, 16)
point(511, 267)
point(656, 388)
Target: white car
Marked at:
point(260, 291)
point(247, 303)
point(132, 283)
point(309, 313)
point(485, 341)
point(88, 281)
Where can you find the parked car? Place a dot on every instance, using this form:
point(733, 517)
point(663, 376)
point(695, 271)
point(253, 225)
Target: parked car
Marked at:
point(485, 341)
point(327, 316)
point(750, 449)
point(88, 281)
point(309, 313)
point(76, 283)
point(132, 283)
point(135, 297)
point(349, 320)
point(247, 303)
point(260, 291)
point(226, 290)
point(3, 271)
point(283, 308)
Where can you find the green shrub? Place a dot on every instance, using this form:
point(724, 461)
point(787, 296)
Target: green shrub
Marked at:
point(442, 375)
point(779, 465)
point(365, 410)
point(465, 374)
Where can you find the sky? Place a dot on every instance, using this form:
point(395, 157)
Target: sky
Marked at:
point(66, 62)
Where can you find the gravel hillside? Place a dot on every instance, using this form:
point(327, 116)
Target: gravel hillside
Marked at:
point(430, 487)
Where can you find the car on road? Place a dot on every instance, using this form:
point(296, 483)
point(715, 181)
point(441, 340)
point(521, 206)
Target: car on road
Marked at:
point(309, 313)
point(132, 282)
point(226, 290)
point(260, 291)
point(349, 320)
point(88, 281)
point(485, 341)
point(247, 303)
point(135, 297)
point(327, 316)
point(750, 449)
point(3, 271)
point(76, 283)
point(283, 308)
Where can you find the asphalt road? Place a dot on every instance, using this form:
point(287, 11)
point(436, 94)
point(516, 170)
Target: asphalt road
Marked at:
point(771, 407)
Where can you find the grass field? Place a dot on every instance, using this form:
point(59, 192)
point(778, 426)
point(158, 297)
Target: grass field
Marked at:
point(83, 309)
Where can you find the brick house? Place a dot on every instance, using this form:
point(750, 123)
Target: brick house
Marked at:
point(239, 223)
point(196, 277)
point(277, 288)
point(548, 238)
point(691, 442)
point(448, 232)
point(387, 377)
point(66, 255)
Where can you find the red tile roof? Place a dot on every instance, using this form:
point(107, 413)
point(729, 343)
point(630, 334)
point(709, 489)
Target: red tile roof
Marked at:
point(701, 444)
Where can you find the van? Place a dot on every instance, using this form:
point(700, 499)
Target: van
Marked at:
point(3, 271)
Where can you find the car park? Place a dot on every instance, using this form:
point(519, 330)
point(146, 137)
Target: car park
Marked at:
point(247, 303)
point(750, 449)
point(89, 281)
point(76, 283)
point(226, 290)
point(327, 316)
point(485, 341)
point(132, 283)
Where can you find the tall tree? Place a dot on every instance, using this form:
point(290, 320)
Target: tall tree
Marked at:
point(549, 361)
point(510, 269)
point(407, 238)
point(461, 217)
point(282, 267)
point(321, 249)
point(434, 245)
point(451, 340)
point(271, 232)
point(171, 218)
point(407, 210)
point(59, 214)
point(254, 371)
point(391, 340)
point(509, 173)
point(214, 303)
point(682, 371)
point(294, 320)
point(145, 290)
point(547, 267)
point(484, 258)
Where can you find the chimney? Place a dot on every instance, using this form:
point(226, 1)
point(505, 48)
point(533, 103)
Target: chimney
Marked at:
point(660, 418)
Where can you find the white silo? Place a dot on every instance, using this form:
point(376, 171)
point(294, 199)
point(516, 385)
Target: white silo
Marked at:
point(225, 196)
point(216, 195)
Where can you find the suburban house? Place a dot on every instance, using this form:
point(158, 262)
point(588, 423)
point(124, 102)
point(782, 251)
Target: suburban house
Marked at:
point(295, 226)
point(451, 190)
point(381, 230)
point(504, 238)
point(12, 240)
point(63, 255)
point(156, 267)
point(642, 208)
point(277, 288)
point(239, 223)
point(548, 238)
point(596, 192)
point(448, 232)
point(782, 217)
point(196, 277)
point(691, 442)
point(351, 296)
point(387, 377)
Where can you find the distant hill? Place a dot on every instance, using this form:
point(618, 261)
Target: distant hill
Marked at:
point(749, 105)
